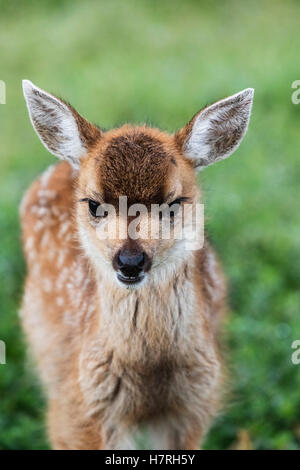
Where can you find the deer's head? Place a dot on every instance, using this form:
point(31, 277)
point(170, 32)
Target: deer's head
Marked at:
point(132, 179)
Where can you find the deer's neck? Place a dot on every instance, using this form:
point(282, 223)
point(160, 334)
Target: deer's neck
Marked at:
point(151, 321)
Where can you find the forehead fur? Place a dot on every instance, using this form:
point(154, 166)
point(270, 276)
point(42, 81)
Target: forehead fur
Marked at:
point(135, 162)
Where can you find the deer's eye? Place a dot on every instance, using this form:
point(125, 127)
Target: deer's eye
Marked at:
point(171, 210)
point(93, 206)
point(175, 205)
point(97, 210)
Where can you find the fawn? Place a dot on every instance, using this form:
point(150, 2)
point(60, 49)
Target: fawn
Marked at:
point(124, 330)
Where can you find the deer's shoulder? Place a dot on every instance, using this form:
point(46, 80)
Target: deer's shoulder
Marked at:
point(47, 209)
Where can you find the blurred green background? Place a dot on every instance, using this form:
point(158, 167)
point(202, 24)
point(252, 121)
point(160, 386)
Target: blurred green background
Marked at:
point(159, 62)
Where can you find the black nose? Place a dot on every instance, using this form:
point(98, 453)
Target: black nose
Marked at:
point(131, 264)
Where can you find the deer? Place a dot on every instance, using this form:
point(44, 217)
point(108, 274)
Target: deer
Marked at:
point(125, 331)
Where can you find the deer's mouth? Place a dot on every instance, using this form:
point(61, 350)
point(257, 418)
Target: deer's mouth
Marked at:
point(130, 280)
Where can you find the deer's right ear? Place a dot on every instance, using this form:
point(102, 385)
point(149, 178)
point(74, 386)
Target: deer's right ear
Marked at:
point(216, 132)
point(61, 129)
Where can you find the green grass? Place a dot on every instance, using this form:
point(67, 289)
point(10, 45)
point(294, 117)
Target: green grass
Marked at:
point(159, 62)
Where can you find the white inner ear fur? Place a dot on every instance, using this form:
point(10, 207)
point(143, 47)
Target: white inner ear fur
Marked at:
point(219, 129)
point(54, 124)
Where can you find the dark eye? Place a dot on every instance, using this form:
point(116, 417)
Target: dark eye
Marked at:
point(175, 205)
point(172, 209)
point(96, 209)
point(93, 206)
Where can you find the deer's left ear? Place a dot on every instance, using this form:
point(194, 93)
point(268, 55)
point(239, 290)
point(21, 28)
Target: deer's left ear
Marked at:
point(215, 132)
point(62, 130)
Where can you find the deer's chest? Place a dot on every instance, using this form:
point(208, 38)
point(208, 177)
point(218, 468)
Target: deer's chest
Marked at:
point(143, 367)
point(132, 389)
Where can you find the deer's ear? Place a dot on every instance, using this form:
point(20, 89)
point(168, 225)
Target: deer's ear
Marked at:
point(61, 129)
point(216, 131)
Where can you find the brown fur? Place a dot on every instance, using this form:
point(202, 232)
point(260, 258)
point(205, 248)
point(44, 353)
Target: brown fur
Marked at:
point(113, 360)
